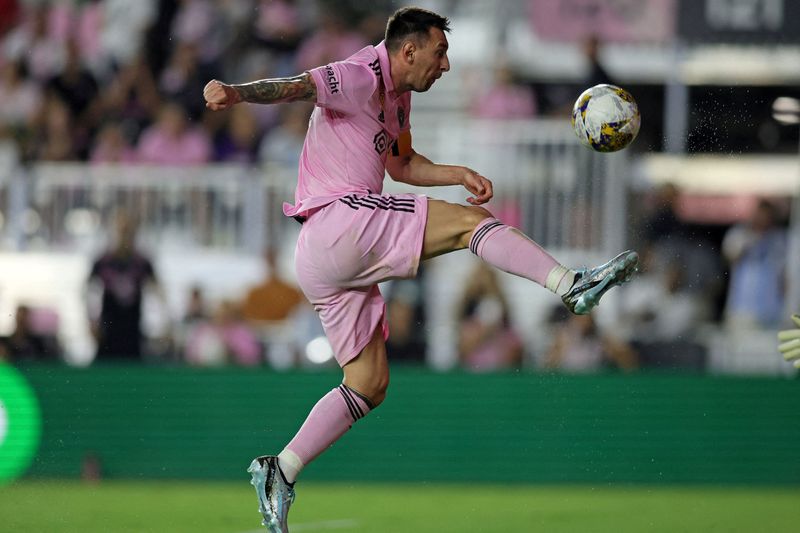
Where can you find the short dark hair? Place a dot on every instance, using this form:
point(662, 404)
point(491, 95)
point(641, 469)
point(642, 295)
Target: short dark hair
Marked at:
point(412, 21)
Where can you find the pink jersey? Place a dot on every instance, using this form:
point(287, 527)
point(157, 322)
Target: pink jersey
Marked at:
point(357, 121)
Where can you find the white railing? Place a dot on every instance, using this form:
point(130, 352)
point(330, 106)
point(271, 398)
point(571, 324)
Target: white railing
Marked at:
point(561, 194)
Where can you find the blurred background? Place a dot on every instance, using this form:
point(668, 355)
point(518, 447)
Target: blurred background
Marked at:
point(151, 326)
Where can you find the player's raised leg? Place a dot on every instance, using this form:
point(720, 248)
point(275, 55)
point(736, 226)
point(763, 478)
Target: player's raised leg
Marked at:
point(366, 378)
point(453, 227)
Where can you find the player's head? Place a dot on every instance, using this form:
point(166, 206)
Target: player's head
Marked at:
point(416, 38)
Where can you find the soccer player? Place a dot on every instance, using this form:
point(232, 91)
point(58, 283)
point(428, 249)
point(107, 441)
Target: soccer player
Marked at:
point(790, 342)
point(354, 237)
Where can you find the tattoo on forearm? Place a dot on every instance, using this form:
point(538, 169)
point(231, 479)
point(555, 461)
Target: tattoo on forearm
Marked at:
point(278, 90)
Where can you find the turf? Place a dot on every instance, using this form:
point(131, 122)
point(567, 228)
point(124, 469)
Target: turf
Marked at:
point(231, 508)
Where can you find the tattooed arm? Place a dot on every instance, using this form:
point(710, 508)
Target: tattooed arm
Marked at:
point(219, 95)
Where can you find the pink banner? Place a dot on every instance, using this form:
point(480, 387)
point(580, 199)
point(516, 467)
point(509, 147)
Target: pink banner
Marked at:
point(609, 20)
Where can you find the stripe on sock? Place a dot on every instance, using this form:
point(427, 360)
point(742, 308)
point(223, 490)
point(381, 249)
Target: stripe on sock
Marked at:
point(353, 402)
point(479, 235)
point(348, 401)
point(364, 399)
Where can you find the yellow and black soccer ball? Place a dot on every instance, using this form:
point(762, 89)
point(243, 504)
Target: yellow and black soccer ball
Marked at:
point(606, 118)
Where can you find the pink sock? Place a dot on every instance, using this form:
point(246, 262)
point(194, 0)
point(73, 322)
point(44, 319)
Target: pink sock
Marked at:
point(330, 418)
point(512, 251)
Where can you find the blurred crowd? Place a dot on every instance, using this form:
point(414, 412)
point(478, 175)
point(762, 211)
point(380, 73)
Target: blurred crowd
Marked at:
point(689, 279)
point(119, 81)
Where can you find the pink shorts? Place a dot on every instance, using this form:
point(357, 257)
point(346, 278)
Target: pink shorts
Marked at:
point(345, 249)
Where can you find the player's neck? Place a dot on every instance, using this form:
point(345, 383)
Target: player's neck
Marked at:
point(399, 75)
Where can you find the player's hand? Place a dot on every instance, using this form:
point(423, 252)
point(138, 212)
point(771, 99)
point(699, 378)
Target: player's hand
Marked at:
point(220, 96)
point(479, 186)
point(790, 342)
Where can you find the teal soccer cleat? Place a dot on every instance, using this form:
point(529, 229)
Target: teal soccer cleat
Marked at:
point(591, 284)
point(275, 495)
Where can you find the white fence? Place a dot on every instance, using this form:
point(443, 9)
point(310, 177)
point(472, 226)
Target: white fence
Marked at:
point(561, 194)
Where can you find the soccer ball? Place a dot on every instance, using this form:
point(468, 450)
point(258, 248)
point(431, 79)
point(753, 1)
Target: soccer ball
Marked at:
point(606, 118)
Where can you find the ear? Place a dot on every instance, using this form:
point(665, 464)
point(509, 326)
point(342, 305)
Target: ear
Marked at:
point(407, 51)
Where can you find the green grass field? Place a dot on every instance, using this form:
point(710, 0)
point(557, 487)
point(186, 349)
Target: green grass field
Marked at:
point(231, 508)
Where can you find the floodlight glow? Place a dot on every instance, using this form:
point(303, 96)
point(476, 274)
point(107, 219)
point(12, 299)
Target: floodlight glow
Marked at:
point(319, 350)
point(786, 110)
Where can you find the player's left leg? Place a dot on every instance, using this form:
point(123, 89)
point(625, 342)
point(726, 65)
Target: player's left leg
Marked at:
point(452, 227)
point(366, 378)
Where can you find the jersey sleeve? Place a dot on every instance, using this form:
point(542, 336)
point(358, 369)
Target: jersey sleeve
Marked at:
point(344, 86)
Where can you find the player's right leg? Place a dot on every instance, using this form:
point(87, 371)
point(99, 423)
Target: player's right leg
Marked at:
point(452, 227)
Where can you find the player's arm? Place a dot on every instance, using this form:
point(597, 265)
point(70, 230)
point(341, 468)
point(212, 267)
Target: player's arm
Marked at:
point(220, 95)
point(416, 169)
point(790, 342)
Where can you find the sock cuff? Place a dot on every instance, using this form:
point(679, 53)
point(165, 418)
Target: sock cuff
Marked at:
point(554, 278)
point(358, 404)
point(292, 460)
point(485, 228)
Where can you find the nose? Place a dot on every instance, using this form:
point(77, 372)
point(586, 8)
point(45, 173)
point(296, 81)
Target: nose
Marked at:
point(445, 64)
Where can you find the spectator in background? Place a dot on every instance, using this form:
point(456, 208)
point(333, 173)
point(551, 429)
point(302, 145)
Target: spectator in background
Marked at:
point(26, 343)
point(331, 41)
point(272, 300)
point(662, 227)
point(33, 43)
point(111, 146)
point(172, 141)
point(183, 79)
point(123, 273)
point(57, 139)
point(283, 144)
point(77, 88)
point(225, 339)
point(9, 14)
point(195, 315)
point(487, 341)
point(131, 98)
point(238, 142)
point(578, 346)
point(660, 306)
point(505, 98)
point(756, 252)
point(124, 29)
point(405, 314)
point(596, 73)
point(278, 28)
point(196, 309)
point(668, 238)
point(22, 101)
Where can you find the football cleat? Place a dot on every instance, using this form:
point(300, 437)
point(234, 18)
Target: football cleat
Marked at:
point(591, 284)
point(275, 495)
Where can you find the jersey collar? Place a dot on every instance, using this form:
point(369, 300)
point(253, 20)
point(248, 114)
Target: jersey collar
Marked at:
point(386, 72)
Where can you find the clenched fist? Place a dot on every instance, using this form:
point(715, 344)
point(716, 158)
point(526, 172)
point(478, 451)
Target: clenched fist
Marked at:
point(220, 96)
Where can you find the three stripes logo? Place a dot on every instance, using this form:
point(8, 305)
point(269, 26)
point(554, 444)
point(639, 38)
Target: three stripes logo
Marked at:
point(351, 398)
point(375, 201)
point(479, 235)
point(376, 67)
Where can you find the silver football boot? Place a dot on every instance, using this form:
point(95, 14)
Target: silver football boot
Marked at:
point(275, 496)
point(591, 284)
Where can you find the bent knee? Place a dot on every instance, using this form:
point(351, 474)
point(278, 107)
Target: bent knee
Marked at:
point(374, 389)
point(473, 215)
